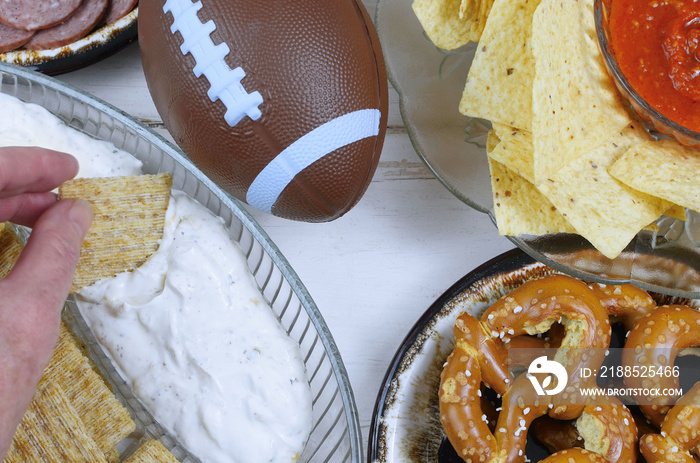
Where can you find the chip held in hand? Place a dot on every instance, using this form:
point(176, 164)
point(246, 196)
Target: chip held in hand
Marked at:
point(128, 223)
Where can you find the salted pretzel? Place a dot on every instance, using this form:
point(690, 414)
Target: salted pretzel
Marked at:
point(652, 346)
point(480, 356)
point(680, 432)
point(625, 304)
point(559, 435)
point(535, 306)
point(576, 455)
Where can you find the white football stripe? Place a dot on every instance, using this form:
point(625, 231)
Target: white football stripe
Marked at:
point(332, 135)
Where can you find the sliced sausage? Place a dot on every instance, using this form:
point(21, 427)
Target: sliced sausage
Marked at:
point(11, 37)
point(118, 9)
point(74, 28)
point(36, 14)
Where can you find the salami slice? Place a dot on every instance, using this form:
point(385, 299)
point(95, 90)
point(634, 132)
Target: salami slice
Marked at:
point(76, 27)
point(12, 38)
point(118, 9)
point(36, 14)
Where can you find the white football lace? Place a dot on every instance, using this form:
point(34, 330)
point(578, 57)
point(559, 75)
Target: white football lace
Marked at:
point(225, 83)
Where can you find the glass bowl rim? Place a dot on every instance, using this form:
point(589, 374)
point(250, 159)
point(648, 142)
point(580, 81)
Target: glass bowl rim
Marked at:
point(619, 77)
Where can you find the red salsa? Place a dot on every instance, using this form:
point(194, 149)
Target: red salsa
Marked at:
point(656, 44)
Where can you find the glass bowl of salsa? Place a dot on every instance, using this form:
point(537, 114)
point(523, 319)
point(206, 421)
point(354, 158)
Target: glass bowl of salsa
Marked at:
point(652, 50)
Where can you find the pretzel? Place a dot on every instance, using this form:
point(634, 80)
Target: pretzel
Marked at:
point(535, 306)
point(625, 303)
point(680, 432)
point(557, 435)
point(575, 455)
point(480, 355)
point(653, 345)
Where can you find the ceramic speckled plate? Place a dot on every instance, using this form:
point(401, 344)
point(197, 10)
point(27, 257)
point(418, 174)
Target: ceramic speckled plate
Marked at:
point(99, 44)
point(405, 426)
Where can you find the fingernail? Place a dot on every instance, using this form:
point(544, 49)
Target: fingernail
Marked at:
point(81, 214)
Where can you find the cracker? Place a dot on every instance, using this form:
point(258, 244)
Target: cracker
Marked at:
point(661, 168)
point(499, 83)
point(576, 106)
point(128, 224)
point(106, 420)
point(152, 451)
point(51, 430)
point(10, 248)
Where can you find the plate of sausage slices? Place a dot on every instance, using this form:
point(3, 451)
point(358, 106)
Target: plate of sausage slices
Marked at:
point(517, 362)
point(58, 36)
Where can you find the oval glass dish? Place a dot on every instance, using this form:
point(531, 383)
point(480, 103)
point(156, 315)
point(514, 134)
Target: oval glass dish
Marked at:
point(430, 82)
point(335, 434)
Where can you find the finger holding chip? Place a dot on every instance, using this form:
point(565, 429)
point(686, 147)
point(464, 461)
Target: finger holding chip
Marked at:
point(27, 176)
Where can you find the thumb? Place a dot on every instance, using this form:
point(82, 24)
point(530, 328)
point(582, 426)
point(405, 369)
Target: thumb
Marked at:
point(48, 261)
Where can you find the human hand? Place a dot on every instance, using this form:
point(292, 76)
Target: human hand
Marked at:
point(33, 294)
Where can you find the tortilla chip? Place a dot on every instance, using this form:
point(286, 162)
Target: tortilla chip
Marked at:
point(152, 451)
point(677, 212)
point(128, 223)
point(105, 419)
point(499, 83)
point(575, 103)
point(515, 151)
point(450, 24)
point(519, 208)
point(10, 248)
point(52, 430)
point(662, 168)
point(603, 210)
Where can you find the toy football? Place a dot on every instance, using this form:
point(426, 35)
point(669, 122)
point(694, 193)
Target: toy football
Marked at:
point(283, 104)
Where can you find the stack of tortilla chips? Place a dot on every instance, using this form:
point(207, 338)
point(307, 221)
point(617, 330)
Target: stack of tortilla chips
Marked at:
point(568, 156)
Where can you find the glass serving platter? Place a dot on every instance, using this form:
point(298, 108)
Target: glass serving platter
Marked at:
point(430, 83)
point(335, 435)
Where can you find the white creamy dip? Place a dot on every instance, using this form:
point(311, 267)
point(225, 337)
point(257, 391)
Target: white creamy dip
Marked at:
point(191, 333)
point(23, 124)
point(189, 329)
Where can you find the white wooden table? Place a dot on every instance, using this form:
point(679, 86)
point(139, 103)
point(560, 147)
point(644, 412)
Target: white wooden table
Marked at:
point(372, 272)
